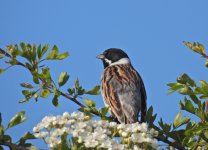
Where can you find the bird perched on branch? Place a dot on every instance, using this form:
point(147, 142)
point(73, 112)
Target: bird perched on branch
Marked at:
point(122, 87)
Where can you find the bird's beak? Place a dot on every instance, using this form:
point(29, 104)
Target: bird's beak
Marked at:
point(101, 56)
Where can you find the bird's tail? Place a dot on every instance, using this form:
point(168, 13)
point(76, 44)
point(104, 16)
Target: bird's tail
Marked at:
point(143, 111)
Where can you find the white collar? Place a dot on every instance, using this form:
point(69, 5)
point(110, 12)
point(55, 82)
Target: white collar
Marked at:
point(121, 61)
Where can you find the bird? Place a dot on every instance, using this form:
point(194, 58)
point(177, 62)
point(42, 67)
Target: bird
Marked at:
point(122, 88)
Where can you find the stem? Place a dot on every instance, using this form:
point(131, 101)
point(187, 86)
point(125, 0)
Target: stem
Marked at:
point(165, 140)
point(179, 147)
point(46, 84)
point(6, 144)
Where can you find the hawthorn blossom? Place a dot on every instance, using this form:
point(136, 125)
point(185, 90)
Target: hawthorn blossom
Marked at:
point(94, 133)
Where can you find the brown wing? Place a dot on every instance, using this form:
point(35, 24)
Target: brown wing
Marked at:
point(143, 100)
point(109, 94)
point(120, 86)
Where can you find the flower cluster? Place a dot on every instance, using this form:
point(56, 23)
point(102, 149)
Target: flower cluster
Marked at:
point(90, 133)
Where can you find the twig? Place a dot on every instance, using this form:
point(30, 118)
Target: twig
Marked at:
point(46, 84)
point(8, 144)
point(179, 147)
point(165, 140)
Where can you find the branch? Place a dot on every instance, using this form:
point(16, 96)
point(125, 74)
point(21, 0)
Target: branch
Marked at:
point(165, 140)
point(8, 55)
point(13, 146)
point(48, 85)
point(175, 145)
point(8, 144)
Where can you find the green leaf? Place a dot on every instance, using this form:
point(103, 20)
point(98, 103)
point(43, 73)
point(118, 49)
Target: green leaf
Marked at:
point(104, 111)
point(185, 79)
point(80, 91)
point(71, 91)
point(13, 62)
point(189, 106)
point(63, 144)
point(29, 66)
point(89, 103)
point(55, 101)
point(44, 50)
point(206, 64)
point(204, 87)
point(94, 91)
point(81, 109)
point(15, 51)
point(7, 138)
point(150, 117)
point(1, 131)
point(206, 134)
point(186, 90)
point(1, 148)
point(203, 84)
point(179, 121)
point(76, 83)
point(36, 96)
point(23, 46)
point(46, 74)
point(53, 53)
point(196, 47)
point(17, 119)
point(27, 136)
point(35, 79)
point(62, 56)
point(39, 51)
point(1, 70)
point(33, 52)
point(174, 87)
point(24, 100)
point(200, 114)
point(1, 56)
point(26, 85)
point(28, 94)
point(63, 78)
point(166, 127)
point(45, 93)
point(182, 106)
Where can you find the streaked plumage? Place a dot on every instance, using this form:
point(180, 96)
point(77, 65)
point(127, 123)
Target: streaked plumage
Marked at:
point(122, 87)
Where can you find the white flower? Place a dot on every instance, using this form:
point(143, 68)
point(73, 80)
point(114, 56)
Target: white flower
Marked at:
point(36, 129)
point(78, 115)
point(112, 124)
point(80, 125)
point(121, 126)
point(136, 147)
point(92, 143)
point(72, 121)
point(144, 127)
point(93, 133)
point(144, 135)
point(124, 134)
point(80, 139)
point(75, 134)
point(106, 144)
point(66, 115)
point(137, 137)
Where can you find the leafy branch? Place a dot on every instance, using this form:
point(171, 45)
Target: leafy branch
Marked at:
point(195, 134)
point(6, 140)
point(182, 133)
point(44, 84)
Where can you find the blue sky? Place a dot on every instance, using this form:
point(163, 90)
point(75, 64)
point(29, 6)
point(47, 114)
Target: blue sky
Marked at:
point(151, 32)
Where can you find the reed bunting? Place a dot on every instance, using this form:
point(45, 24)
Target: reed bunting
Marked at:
point(122, 87)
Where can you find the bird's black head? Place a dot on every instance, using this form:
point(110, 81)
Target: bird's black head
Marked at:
point(113, 56)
